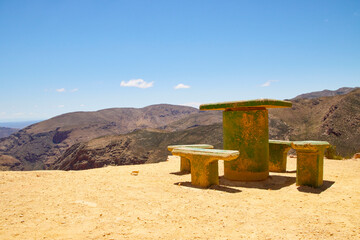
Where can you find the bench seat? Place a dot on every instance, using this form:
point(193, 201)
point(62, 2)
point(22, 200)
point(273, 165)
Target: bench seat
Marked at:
point(184, 162)
point(204, 163)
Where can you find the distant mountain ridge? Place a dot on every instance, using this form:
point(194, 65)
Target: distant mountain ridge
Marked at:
point(325, 93)
point(40, 144)
point(5, 131)
point(83, 140)
point(18, 125)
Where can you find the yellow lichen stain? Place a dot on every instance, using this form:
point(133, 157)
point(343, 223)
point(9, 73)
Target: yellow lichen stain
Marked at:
point(185, 165)
point(310, 163)
point(204, 168)
point(247, 131)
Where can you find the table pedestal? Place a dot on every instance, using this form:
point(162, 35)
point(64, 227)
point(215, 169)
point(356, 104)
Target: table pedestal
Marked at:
point(247, 130)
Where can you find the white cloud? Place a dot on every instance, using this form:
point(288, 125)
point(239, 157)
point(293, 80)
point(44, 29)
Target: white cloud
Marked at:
point(2, 113)
point(192, 104)
point(181, 86)
point(82, 105)
point(74, 90)
point(61, 90)
point(61, 106)
point(139, 83)
point(268, 83)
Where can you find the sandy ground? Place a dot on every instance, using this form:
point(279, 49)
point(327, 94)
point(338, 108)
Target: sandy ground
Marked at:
point(159, 203)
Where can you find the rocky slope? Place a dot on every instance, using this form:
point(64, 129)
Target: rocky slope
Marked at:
point(8, 163)
point(144, 146)
point(39, 145)
point(141, 146)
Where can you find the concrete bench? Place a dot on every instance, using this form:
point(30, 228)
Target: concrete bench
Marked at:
point(278, 150)
point(185, 163)
point(204, 163)
point(310, 162)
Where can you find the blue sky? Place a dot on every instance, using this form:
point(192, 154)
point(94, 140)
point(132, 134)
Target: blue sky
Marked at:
point(64, 56)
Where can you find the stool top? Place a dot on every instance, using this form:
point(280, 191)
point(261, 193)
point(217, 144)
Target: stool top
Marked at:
point(280, 142)
point(311, 143)
point(258, 103)
point(205, 146)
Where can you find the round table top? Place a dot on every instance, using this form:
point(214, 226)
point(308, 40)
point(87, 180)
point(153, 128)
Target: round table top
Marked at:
point(258, 103)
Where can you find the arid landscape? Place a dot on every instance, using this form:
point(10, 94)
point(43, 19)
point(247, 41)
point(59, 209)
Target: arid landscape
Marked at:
point(130, 188)
point(123, 136)
point(96, 96)
point(159, 203)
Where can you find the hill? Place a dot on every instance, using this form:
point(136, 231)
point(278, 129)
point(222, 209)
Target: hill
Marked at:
point(334, 119)
point(140, 146)
point(325, 93)
point(40, 144)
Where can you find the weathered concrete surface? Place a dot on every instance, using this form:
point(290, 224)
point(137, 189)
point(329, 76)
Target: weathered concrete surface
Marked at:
point(247, 131)
point(310, 162)
point(278, 155)
point(246, 128)
point(267, 103)
point(185, 163)
point(204, 164)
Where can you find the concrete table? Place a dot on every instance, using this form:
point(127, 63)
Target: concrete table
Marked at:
point(310, 162)
point(246, 128)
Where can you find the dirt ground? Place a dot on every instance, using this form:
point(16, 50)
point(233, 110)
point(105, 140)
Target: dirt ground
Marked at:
point(160, 203)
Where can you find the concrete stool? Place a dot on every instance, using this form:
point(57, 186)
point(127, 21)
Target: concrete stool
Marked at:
point(278, 155)
point(185, 163)
point(204, 164)
point(310, 162)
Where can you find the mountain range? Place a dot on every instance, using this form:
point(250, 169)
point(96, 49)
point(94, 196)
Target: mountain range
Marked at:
point(5, 131)
point(325, 93)
point(119, 136)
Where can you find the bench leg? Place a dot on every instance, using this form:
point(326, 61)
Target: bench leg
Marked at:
point(204, 173)
point(310, 164)
point(184, 165)
point(278, 157)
